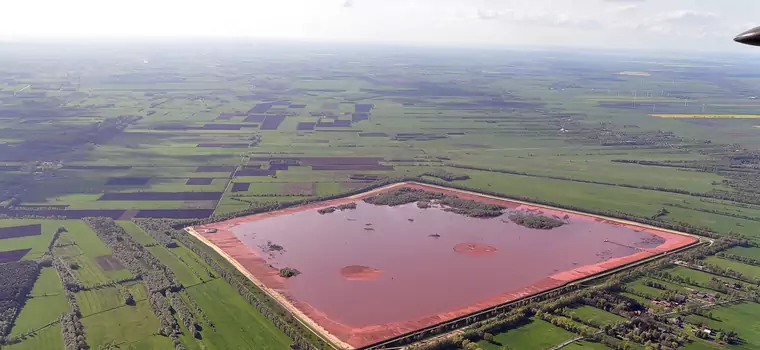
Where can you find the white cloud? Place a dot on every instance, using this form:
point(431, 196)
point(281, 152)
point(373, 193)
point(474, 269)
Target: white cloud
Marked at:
point(499, 22)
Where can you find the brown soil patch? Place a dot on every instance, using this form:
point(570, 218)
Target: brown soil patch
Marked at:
point(299, 188)
point(360, 273)
point(475, 249)
point(129, 215)
point(109, 263)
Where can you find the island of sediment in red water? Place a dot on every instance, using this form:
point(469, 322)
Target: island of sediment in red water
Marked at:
point(475, 249)
point(360, 273)
point(364, 286)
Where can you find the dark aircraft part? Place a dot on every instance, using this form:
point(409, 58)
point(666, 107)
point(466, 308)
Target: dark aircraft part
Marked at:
point(750, 37)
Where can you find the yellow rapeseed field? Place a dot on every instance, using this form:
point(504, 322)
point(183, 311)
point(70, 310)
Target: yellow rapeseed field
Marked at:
point(707, 116)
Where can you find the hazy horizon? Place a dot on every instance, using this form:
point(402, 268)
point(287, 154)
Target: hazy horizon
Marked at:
point(693, 25)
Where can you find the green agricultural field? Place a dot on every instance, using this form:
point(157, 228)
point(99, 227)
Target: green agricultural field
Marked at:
point(38, 244)
point(99, 300)
point(237, 324)
point(86, 249)
point(46, 338)
point(745, 269)
point(46, 304)
point(137, 233)
point(39, 312)
point(183, 273)
point(750, 252)
point(697, 277)
point(48, 283)
point(596, 316)
point(130, 327)
point(525, 337)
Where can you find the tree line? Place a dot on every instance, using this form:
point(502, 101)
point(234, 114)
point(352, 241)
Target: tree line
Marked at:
point(69, 279)
point(740, 258)
point(159, 279)
point(135, 258)
point(185, 315)
point(160, 235)
point(73, 332)
point(446, 176)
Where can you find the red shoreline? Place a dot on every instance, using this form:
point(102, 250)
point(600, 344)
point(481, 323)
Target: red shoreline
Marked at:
point(358, 337)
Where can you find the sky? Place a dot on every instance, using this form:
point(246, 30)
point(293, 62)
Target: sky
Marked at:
point(705, 25)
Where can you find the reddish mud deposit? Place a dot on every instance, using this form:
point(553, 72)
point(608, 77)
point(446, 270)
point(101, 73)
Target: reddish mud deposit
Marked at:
point(361, 286)
point(476, 249)
point(360, 273)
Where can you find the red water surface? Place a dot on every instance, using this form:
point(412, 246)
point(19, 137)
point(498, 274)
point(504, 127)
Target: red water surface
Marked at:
point(377, 271)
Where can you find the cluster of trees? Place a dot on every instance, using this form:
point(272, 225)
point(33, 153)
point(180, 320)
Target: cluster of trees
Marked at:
point(471, 208)
point(653, 284)
point(724, 287)
point(341, 207)
point(185, 315)
point(198, 309)
point(566, 323)
point(402, 196)
point(288, 272)
point(162, 309)
point(643, 329)
point(16, 281)
point(140, 262)
point(255, 140)
point(70, 281)
point(453, 204)
point(347, 206)
point(660, 213)
point(127, 296)
point(535, 221)
point(73, 332)
point(729, 337)
point(71, 299)
point(157, 232)
point(445, 175)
